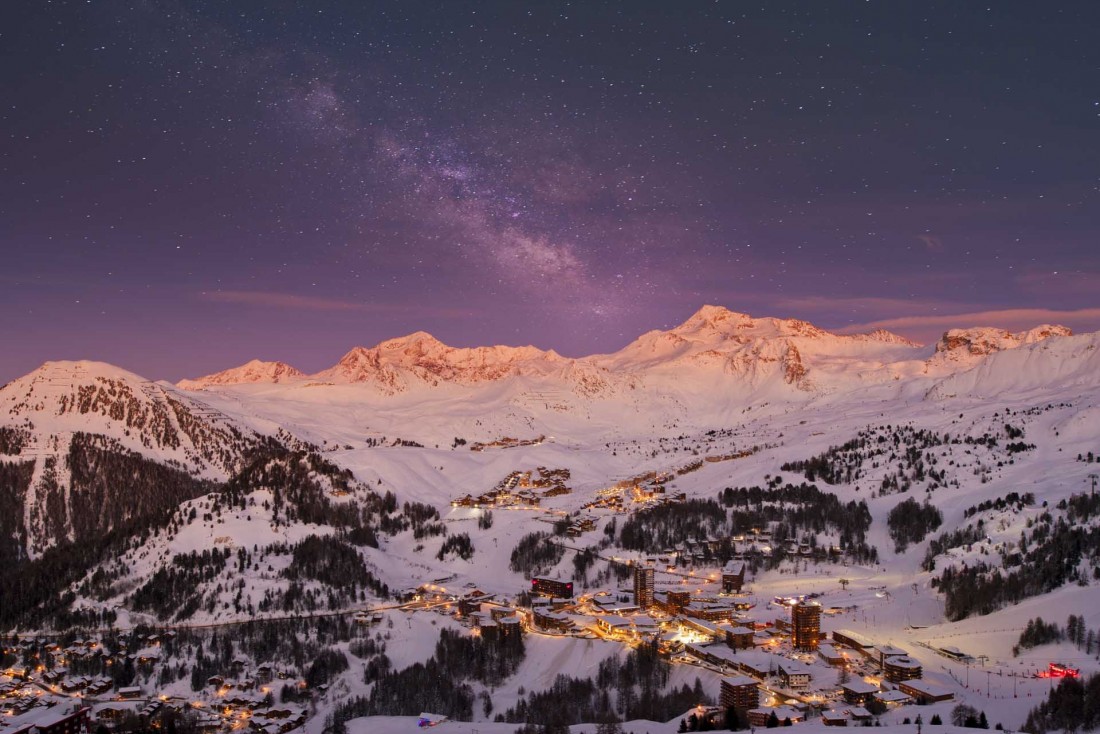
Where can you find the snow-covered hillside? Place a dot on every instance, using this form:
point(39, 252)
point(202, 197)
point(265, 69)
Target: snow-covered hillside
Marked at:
point(68, 421)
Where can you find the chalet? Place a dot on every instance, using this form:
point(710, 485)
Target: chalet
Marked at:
point(111, 715)
point(733, 577)
point(129, 692)
point(760, 716)
point(71, 685)
point(579, 527)
point(99, 685)
point(859, 714)
point(795, 675)
point(858, 692)
point(150, 709)
point(834, 718)
point(208, 722)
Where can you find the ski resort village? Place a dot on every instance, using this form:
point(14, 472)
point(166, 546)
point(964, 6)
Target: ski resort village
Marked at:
point(813, 530)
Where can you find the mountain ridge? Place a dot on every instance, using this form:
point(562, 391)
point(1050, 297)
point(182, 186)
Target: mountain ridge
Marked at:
point(731, 341)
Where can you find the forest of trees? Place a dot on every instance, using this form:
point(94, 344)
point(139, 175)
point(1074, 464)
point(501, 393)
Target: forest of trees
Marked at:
point(624, 689)
point(653, 529)
point(12, 440)
point(535, 553)
point(305, 487)
point(793, 513)
point(460, 545)
point(801, 508)
point(1073, 705)
point(334, 563)
point(15, 479)
point(910, 521)
point(904, 446)
point(440, 684)
point(1013, 500)
point(1040, 632)
point(174, 591)
point(1053, 553)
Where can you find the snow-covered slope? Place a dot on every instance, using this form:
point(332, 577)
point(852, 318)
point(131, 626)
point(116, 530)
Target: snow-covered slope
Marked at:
point(1067, 364)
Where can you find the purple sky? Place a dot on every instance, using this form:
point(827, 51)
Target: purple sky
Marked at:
point(186, 186)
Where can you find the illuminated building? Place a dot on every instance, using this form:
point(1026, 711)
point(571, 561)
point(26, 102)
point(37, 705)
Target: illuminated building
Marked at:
point(805, 625)
point(643, 587)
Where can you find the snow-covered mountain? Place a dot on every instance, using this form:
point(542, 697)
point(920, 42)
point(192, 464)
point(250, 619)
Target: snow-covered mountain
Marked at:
point(154, 419)
point(87, 434)
point(963, 348)
point(744, 359)
point(397, 365)
point(250, 372)
point(1032, 363)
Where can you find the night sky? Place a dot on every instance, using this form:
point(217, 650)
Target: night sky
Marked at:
point(188, 185)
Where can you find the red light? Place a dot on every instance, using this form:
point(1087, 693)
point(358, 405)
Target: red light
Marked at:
point(1058, 670)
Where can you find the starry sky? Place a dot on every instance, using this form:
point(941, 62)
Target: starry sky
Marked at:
point(188, 185)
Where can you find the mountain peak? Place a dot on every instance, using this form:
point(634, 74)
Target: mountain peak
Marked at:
point(889, 337)
point(711, 315)
point(984, 340)
point(253, 371)
point(420, 339)
point(710, 321)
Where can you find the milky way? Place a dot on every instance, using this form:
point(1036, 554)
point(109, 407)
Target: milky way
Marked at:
point(188, 185)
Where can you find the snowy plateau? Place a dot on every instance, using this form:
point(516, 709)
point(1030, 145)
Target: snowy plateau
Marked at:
point(343, 551)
